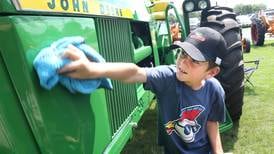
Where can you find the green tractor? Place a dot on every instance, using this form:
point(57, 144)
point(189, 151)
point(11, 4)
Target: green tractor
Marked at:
point(35, 120)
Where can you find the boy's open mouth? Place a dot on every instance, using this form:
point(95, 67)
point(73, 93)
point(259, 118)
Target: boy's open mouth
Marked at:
point(182, 71)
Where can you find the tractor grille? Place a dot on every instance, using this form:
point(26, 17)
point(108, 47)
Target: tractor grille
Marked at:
point(115, 46)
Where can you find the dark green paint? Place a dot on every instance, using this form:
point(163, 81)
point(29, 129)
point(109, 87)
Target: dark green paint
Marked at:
point(15, 133)
point(60, 121)
point(6, 6)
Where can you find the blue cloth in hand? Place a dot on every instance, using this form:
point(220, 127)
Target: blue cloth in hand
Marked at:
point(50, 60)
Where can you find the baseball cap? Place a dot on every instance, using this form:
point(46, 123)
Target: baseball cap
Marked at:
point(204, 44)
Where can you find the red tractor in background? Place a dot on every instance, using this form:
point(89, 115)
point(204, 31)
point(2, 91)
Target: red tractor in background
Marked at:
point(262, 23)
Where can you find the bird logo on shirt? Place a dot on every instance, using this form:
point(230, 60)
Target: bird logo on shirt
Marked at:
point(186, 126)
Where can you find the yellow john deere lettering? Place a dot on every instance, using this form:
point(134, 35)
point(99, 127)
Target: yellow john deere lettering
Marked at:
point(73, 6)
point(69, 6)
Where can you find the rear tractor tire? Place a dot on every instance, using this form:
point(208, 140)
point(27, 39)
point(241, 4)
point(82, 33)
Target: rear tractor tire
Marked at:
point(257, 32)
point(223, 20)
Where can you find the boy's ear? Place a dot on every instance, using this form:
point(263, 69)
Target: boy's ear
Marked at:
point(212, 72)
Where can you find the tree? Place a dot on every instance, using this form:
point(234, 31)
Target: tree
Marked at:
point(248, 9)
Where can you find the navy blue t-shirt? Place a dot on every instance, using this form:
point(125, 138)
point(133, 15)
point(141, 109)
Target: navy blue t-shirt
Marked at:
point(184, 112)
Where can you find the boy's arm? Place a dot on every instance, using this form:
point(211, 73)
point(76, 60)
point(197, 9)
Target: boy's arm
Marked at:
point(214, 137)
point(82, 68)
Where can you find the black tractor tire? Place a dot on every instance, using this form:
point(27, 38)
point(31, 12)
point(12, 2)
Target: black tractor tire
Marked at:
point(223, 20)
point(258, 32)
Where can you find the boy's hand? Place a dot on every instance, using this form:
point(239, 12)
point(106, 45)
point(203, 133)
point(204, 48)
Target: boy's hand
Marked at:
point(80, 67)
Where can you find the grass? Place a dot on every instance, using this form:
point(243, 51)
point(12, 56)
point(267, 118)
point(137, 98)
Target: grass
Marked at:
point(253, 133)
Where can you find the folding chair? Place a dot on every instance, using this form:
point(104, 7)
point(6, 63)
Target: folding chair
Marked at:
point(249, 70)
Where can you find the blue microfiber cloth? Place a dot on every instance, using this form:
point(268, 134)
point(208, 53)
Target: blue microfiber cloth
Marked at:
point(50, 60)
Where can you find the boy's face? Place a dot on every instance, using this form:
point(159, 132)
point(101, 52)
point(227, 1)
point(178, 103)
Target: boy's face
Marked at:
point(193, 72)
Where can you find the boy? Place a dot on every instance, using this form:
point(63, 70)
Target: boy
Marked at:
point(191, 101)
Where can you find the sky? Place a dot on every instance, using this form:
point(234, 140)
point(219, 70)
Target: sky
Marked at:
point(232, 3)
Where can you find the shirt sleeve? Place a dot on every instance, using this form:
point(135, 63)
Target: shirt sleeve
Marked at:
point(217, 112)
point(158, 78)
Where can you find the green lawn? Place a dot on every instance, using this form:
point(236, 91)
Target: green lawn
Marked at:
point(254, 133)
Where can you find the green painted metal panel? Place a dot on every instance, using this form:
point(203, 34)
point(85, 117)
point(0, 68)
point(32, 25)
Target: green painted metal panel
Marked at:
point(15, 134)
point(6, 6)
point(101, 129)
point(61, 122)
point(118, 8)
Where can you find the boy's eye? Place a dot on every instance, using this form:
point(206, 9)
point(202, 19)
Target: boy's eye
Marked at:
point(195, 61)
